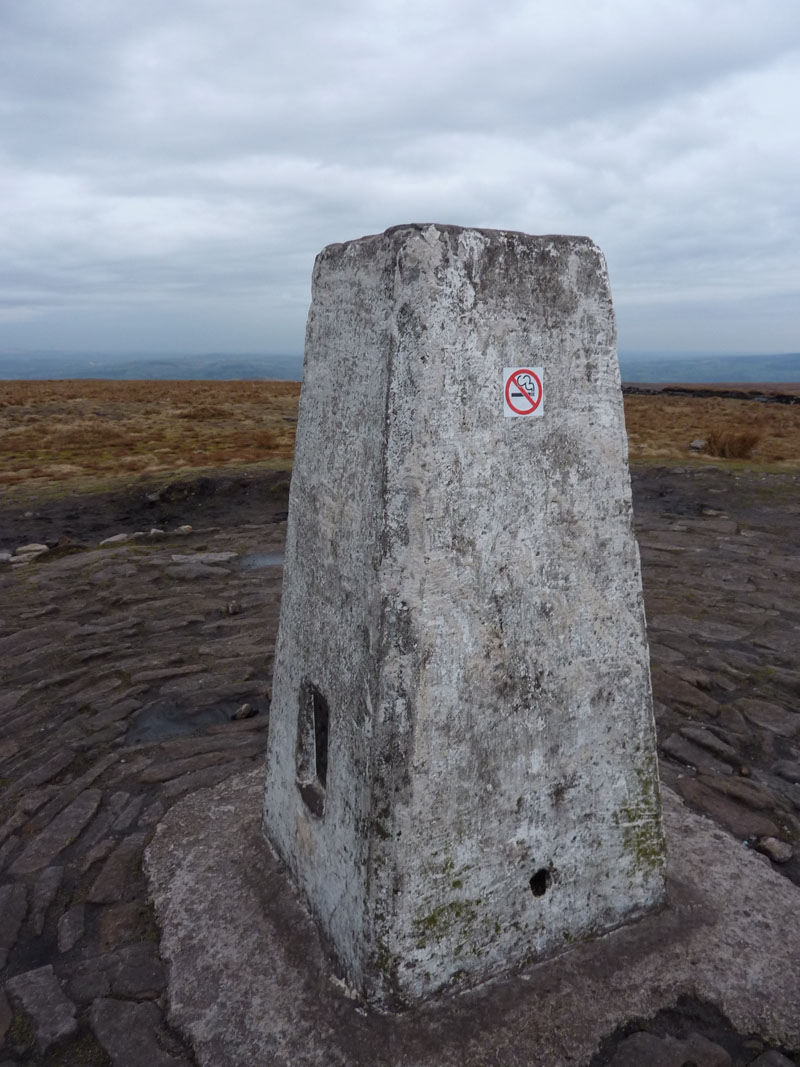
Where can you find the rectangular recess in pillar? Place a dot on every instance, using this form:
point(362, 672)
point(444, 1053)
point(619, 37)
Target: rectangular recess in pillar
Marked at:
point(313, 724)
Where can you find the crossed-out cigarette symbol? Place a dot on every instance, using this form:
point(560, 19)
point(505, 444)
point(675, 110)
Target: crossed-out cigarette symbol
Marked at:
point(523, 391)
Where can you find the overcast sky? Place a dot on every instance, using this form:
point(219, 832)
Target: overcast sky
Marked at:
point(170, 168)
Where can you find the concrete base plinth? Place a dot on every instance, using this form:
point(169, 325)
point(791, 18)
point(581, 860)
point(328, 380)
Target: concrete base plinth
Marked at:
point(250, 982)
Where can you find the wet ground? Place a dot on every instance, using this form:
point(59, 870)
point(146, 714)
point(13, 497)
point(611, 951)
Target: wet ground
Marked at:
point(136, 672)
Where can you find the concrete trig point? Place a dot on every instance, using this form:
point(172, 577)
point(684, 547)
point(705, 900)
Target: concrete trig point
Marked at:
point(461, 763)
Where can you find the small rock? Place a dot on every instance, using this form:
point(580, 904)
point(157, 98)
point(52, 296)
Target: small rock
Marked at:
point(777, 850)
point(246, 711)
point(155, 532)
point(234, 608)
point(5, 557)
point(70, 927)
point(697, 445)
point(40, 995)
point(117, 539)
point(33, 549)
point(184, 529)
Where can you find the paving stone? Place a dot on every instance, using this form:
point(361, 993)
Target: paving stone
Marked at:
point(138, 971)
point(192, 571)
point(693, 755)
point(127, 1032)
point(203, 779)
point(70, 927)
point(7, 750)
point(745, 790)
point(7, 850)
point(13, 907)
point(709, 629)
point(244, 726)
point(788, 769)
point(39, 993)
point(110, 883)
point(164, 673)
point(222, 739)
point(73, 789)
point(59, 834)
point(115, 713)
point(164, 772)
point(129, 816)
point(90, 979)
point(643, 1048)
point(6, 1016)
point(772, 1058)
point(735, 817)
point(121, 924)
point(671, 690)
point(46, 771)
point(205, 557)
point(44, 891)
point(708, 739)
point(770, 716)
point(106, 818)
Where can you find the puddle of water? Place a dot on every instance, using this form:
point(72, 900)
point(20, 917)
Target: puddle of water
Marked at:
point(256, 560)
point(166, 718)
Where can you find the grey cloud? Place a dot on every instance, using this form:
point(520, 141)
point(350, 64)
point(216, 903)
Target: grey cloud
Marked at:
point(162, 156)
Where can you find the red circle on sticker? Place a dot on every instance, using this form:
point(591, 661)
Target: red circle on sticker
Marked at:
point(525, 403)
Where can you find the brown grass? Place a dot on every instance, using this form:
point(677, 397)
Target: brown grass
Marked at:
point(77, 432)
point(660, 429)
point(729, 444)
point(73, 430)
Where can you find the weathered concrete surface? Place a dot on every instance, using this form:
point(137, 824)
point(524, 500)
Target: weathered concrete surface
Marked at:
point(462, 590)
point(250, 981)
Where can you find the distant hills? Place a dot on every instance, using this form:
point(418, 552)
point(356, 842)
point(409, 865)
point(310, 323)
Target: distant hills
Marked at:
point(131, 367)
point(660, 367)
point(672, 367)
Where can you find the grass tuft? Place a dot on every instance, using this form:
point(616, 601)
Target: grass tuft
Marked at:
point(731, 444)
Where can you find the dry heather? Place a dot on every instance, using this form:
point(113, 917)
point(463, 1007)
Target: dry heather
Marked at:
point(90, 432)
point(660, 429)
point(74, 430)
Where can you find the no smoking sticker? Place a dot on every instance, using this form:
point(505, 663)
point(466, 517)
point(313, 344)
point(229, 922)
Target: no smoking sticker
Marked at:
point(523, 393)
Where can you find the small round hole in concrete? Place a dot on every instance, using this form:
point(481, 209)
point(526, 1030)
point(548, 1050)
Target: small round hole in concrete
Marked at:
point(540, 882)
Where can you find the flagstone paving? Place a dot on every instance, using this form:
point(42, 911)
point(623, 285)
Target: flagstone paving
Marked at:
point(134, 673)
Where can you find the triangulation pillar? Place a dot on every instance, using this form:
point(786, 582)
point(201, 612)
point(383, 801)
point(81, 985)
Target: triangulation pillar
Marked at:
point(461, 762)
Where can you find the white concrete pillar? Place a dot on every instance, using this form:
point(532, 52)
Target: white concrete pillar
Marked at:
point(461, 763)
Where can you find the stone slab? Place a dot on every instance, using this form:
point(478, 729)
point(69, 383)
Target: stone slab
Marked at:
point(39, 993)
point(250, 981)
